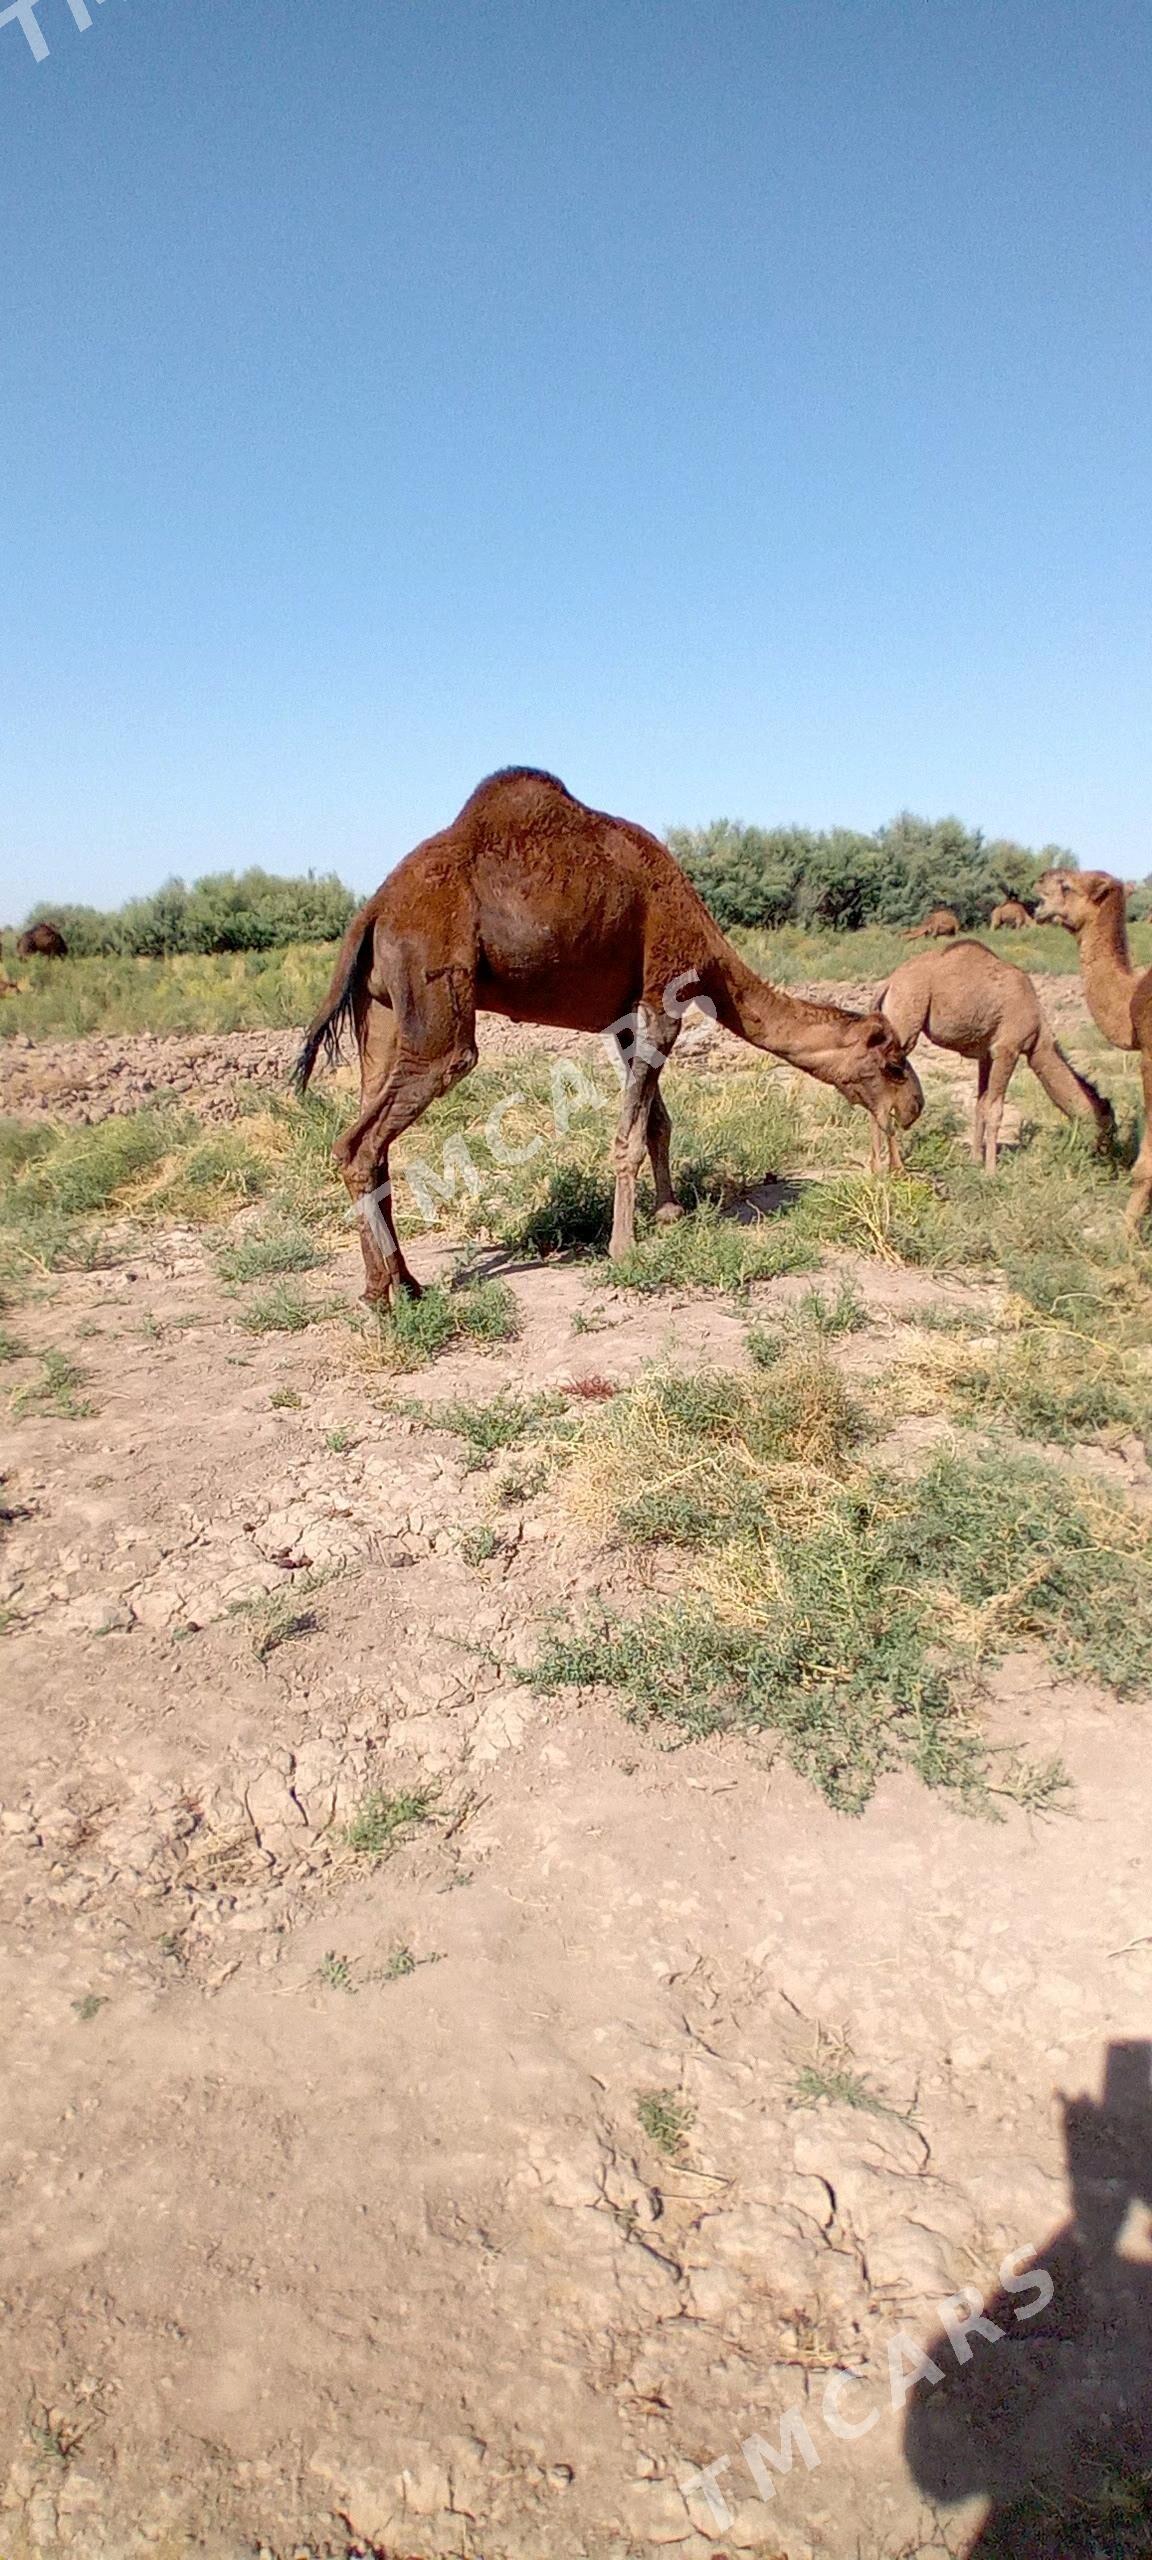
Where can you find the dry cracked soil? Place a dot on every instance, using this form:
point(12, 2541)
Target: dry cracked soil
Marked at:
point(618, 2108)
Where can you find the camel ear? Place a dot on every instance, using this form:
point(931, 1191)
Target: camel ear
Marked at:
point(1099, 892)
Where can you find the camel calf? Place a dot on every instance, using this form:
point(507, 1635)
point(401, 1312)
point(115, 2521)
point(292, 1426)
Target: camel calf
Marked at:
point(1092, 905)
point(966, 998)
point(937, 925)
point(1010, 916)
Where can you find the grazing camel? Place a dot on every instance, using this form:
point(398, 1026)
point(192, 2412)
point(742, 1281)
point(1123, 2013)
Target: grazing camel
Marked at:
point(1009, 916)
point(533, 906)
point(968, 999)
point(1092, 905)
point(44, 939)
point(937, 925)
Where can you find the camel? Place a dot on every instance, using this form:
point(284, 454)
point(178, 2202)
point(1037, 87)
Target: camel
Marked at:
point(44, 939)
point(533, 906)
point(938, 923)
point(1009, 916)
point(1092, 905)
point(966, 998)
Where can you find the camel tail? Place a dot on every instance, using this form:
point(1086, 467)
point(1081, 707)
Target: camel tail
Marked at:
point(338, 1011)
point(1071, 1092)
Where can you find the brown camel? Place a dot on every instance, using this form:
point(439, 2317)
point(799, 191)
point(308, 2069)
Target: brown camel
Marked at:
point(1009, 916)
point(937, 925)
point(966, 998)
point(1092, 905)
point(533, 906)
point(45, 940)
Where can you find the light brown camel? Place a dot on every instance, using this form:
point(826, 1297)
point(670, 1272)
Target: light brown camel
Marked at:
point(533, 906)
point(44, 939)
point(1092, 905)
point(967, 999)
point(1009, 916)
point(937, 925)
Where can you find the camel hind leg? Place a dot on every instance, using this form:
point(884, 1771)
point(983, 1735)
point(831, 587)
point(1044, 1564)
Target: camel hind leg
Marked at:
point(994, 1083)
point(1070, 1091)
point(409, 1057)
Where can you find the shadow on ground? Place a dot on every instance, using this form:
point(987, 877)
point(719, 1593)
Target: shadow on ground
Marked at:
point(1051, 2419)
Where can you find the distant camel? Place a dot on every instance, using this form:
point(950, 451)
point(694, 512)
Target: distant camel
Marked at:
point(966, 998)
point(1009, 916)
point(936, 926)
point(43, 939)
point(1091, 904)
point(533, 906)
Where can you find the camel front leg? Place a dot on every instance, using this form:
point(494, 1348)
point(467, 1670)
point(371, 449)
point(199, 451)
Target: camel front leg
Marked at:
point(999, 1079)
point(668, 1208)
point(1140, 1197)
point(655, 1034)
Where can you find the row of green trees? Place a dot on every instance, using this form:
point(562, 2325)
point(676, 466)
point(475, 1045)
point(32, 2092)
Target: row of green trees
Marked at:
point(226, 911)
point(838, 879)
point(765, 876)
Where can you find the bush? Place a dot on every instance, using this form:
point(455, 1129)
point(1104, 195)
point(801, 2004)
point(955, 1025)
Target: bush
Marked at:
point(250, 911)
point(840, 880)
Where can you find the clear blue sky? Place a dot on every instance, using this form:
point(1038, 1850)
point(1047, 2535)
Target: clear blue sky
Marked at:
point(740, 406)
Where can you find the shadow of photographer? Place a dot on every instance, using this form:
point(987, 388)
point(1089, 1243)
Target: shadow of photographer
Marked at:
point(1044, 2402)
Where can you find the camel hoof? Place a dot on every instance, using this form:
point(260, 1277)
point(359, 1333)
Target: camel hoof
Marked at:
point(669, 1213)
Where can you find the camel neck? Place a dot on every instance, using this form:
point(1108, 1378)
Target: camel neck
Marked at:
point(813, 1036)
point(1106, 966)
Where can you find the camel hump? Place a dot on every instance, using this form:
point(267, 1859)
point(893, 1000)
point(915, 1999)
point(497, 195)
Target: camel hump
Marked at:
point(512, 777)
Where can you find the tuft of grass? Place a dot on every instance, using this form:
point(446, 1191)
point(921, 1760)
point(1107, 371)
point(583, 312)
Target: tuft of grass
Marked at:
point(413, 1332)
point(283, 1309)
point(285, 1400)
point(381, 1822)
point(335, 1972)
point(1032, 1553)
point(498, 1423)
point(667, 2119)
point(478, 1546)
point(713, 1250)
point(89, 2006)
point(488, 1311)
point(1051, 1383)
point(844, 1610)
point(831, 1317)
point(572, 1213)
point(55, 1392)
point(278, 1621)
point(398, 1965)
point(274, 1251)
point(708, 1449)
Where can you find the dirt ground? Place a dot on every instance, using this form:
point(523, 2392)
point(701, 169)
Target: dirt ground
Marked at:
point(216, 1074)
point(330, 2222)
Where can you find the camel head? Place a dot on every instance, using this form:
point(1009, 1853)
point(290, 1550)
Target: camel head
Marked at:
point(1072, 898)
point(881, 1079)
